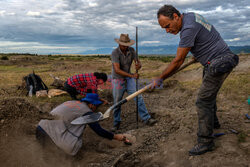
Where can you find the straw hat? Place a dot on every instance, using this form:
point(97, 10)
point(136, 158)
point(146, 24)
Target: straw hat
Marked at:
point(124, 40)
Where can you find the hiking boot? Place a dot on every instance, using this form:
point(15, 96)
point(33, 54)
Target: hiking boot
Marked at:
point(201, 148)
point(115, 127)
point(150, 122)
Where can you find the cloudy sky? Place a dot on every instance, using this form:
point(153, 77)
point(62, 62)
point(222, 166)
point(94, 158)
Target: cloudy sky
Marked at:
point(74, 26)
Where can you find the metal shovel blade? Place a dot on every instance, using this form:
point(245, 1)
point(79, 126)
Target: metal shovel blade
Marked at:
point(94, 117)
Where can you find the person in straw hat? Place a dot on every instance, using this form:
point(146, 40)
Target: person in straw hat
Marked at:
point(123, 80)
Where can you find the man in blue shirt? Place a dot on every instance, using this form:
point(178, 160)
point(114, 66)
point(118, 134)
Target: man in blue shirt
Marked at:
point(200, 38)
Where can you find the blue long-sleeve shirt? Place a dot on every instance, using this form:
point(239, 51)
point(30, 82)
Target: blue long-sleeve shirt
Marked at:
point(100, 131)
point(96, 127)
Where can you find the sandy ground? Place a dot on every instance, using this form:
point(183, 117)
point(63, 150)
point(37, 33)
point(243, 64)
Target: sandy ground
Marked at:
point(165, 144)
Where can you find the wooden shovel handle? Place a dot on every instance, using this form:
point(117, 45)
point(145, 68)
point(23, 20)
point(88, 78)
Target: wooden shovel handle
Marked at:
point(138, 92)
point(148, 86)
point(184, 66)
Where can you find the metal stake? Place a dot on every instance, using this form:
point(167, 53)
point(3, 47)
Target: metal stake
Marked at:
point(137, 79)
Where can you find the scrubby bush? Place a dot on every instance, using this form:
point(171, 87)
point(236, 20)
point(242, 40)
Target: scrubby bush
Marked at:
point(4, 58)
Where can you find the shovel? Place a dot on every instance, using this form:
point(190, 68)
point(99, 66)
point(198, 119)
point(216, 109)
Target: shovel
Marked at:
point(95, 117)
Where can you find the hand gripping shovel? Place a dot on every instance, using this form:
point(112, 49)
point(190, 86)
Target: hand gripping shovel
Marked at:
point(95, 117)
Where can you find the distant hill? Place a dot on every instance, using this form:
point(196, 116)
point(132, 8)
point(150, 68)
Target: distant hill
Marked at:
point(240, 49)
point(164, 49)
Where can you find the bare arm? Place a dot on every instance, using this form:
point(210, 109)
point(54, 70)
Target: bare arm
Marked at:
point(123, 73)
point(176, 63)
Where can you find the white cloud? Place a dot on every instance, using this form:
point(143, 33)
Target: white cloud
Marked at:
point(30, 13)
point(180, 2)
point(149, 42)
point(36, 47)
point(2, 12)
point(184, 2)
point(43, 47)
point(11, 14)
point(216, 11)
point(93, 4)
point(11, 43)
point(232, 40)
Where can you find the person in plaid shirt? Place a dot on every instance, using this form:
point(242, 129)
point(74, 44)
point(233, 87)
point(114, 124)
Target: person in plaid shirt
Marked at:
point(84, 83)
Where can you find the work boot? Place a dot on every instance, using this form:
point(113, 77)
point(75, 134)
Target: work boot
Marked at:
point(115, 127)
point(150, 122)
point(201, 148)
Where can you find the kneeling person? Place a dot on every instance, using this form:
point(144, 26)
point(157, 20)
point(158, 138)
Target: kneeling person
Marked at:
point(66, 136)
point(84, 83)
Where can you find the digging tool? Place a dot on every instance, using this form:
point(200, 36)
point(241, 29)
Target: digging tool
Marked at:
point(233, 131)
point(218, 134)
point(99, 116)
point(248, 116)
point(137, 79)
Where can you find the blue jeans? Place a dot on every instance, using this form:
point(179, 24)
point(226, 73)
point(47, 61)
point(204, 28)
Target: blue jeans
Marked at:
point(119, 88)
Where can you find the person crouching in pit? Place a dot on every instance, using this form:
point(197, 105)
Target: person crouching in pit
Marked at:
point(66, 136)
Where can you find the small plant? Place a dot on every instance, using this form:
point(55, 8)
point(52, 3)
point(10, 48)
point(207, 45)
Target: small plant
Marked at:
point(4, 58)
point(242, 137)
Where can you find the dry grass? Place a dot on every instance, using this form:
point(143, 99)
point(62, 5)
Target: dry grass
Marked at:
point(237, 86)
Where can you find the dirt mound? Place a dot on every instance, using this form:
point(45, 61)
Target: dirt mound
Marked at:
point(18, 120)
point(18, 113)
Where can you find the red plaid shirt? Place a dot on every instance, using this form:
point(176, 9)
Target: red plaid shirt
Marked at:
point(84, 83)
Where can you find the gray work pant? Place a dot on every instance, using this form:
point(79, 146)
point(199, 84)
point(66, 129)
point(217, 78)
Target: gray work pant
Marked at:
point(214, 75)
point(206, 105)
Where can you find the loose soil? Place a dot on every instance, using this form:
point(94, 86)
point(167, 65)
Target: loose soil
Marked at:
point(164, 144)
